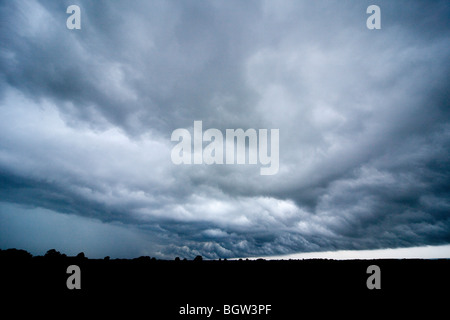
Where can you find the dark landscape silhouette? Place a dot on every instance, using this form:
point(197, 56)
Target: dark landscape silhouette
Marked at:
point(161, 287)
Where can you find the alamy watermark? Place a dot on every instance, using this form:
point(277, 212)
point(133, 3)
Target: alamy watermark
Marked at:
point(74, 280)
point(74, 20)
point(233, 151)
point(372, 22)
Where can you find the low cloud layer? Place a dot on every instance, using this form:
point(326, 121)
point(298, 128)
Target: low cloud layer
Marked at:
point(86, 118)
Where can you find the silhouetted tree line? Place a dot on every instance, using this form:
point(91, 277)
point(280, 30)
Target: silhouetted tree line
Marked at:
point(53, 254)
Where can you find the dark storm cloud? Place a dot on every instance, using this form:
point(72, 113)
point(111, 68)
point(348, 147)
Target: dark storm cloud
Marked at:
point(140, 65)
point(86, 118)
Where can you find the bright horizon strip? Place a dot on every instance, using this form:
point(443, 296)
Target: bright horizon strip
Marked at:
point(423, 252)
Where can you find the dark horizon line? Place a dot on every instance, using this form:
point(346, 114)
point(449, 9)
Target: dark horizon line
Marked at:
point(15, 253)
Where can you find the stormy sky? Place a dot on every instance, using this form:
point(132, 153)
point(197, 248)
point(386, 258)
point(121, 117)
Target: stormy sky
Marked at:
point(86, 118)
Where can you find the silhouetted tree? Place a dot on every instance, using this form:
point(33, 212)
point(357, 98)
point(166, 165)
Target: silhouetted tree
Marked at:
point(15, 254)
point(52, 253)
point(177, 259)
point(81, 255)
point(198, 258)
point(106, 258)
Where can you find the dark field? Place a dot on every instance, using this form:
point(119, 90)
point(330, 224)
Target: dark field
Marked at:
point(158, 289)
